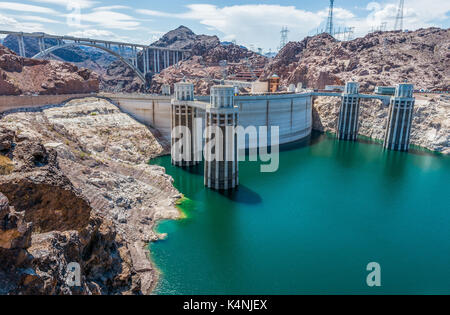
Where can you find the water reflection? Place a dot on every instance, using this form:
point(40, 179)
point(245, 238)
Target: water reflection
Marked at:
point(243, 195)
point(345, 153)
point(195, 170)
point(312, 140)
point(394, 165)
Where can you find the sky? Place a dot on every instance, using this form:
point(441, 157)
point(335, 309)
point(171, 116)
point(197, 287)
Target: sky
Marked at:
point(253, 23)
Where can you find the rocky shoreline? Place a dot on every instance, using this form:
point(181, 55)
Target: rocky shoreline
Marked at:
point(77, 180)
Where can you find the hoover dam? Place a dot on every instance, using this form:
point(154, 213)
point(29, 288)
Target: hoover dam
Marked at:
point(291, 112)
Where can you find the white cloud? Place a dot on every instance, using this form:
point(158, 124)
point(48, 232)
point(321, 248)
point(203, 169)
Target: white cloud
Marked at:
point(427, 12)
point(82, 4)
point(14, 6)
point(110, 20)
point(338, 14)
point(112, 7)
point(36, 19)
point(11, 24)
point(98, 34)
point(157, 13)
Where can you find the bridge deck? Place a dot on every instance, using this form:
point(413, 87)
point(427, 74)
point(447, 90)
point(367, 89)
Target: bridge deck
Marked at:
point(89, 40)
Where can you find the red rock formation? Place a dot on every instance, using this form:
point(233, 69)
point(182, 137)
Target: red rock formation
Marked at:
point(20, 75)
point(421, 57)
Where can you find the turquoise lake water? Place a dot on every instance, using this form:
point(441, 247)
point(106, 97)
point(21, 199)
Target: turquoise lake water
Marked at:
point(313, 226)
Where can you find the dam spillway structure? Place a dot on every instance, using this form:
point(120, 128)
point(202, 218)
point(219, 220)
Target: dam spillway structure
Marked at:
point(221, 152)
point(348, 123)
point(398, 131)
point(185, 146)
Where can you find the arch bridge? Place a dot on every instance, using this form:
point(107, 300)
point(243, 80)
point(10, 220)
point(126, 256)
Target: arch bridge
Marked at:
point(142, 59)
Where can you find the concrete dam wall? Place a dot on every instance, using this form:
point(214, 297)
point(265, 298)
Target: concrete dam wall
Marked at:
point(292, 113)
point(150, 110)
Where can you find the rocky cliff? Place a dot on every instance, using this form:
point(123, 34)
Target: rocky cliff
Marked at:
point(383, 58)
point(202, 68)
point(29, 76)
point(118, 77)
point(184, 38)
point(430, 128)
point(76, 187)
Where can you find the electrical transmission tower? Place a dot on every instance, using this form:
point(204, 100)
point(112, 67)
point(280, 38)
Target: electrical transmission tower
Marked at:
point(344, 34)
point(223, 64)
point(284, 37)
point(330, 26)
point(399, 19)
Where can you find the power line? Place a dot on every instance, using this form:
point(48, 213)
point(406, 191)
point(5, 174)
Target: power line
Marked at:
point(399, 19)
point(330, 26)
point(284, 37)
point(344, 34)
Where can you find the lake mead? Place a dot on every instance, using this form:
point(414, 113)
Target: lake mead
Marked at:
point(314, 226)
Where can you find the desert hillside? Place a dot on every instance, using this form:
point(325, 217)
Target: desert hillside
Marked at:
point(383, 58)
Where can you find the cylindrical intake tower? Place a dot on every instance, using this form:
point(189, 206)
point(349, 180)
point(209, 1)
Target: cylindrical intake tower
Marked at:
point(221, 154)
point(185, 146)
point(348, 124)
point(401, 109)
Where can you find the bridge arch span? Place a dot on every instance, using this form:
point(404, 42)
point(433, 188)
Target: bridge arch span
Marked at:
point(110, 51)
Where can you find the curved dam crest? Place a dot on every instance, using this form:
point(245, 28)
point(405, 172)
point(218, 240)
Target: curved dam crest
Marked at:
point(291, 112)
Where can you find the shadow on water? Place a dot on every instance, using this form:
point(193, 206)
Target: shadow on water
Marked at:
point(243, 195)
point(315, 138)
point(345, 153)
point(193, 185)
point(394, 165)
point(195, 170)
point(220, 235)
